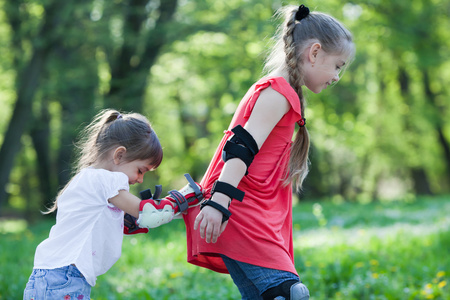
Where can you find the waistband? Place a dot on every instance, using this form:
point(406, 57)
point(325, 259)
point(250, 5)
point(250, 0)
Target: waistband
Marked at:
point(70, 270)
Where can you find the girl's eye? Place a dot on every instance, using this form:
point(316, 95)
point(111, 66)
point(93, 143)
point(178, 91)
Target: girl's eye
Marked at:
point(140, 172)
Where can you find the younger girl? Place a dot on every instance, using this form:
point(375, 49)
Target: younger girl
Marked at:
point(256, 162)
point(116, 151)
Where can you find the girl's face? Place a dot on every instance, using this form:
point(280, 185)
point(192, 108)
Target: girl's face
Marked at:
point(135, 170)
point(321, 69)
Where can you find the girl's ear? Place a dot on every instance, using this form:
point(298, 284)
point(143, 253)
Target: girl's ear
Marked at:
point(119, 154)
point(313, 52)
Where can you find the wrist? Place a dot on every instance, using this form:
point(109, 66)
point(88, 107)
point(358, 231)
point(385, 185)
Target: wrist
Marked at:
point(221, 199)
point(220, 205)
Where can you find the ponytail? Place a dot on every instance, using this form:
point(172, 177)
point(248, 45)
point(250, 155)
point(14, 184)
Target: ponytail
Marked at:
point(298, 161)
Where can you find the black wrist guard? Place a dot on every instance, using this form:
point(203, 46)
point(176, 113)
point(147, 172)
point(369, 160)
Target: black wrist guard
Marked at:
point(225, 212)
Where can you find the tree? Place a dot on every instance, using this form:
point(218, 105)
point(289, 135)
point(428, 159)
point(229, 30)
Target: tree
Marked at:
point(64, 67)
point(28, 82)
point(141, 44)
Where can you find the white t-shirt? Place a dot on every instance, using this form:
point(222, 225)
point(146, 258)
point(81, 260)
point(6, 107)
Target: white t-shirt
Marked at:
point(88, 230)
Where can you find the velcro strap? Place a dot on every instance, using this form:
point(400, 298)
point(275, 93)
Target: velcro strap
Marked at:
point(234, 150)
point(194, 186)
point(158, 191)
point(180, 200)
point(147, 194)
point(225, 212)
point(129, 223)
point(246, 138)
point(227, 189)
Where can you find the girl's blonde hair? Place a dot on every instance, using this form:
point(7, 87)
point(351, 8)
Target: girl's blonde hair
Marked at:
point(292, 39)
point(110, 129)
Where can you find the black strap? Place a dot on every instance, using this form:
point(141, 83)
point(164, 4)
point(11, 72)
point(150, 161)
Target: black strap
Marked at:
point(158, 191)
point(225, 212)
point(147, 194)
point(180, 200)
point(246, 138)
point(227, 189)
point(194, 186)
point(130, 222)
point(234, 150)
point(242, 145)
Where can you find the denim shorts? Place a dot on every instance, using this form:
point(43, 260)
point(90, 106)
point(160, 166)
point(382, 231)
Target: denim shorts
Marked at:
point(252, 280)
point(65, 283)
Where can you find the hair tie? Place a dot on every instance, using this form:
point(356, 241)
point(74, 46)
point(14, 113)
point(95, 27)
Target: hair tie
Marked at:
point(301, 122)
point(119, 116)
point(302, 13)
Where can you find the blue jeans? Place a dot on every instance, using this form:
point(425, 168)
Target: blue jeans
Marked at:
point(61, 283)
point(253, 280)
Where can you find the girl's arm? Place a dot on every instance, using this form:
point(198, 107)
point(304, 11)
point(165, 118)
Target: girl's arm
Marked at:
point(127, 202)
point(268, 110)
point(151, 213)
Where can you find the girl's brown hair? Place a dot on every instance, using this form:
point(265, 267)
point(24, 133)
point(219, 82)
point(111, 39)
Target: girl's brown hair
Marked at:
point(110, 129)
point(292, 39)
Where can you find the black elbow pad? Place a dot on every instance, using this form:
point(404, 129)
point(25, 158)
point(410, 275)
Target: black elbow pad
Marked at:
point(242, 145)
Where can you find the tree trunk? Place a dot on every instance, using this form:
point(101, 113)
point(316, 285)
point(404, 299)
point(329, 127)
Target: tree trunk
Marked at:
point(27, 84)
point(40, 135)
point(77, 93)
point(439, 126)
point(21, 115)
point(130, 73)
point(418, 174)
point(421, 183)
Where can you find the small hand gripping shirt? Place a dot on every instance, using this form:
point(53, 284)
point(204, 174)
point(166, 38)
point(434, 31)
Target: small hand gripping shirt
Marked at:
point(88, 230)
point(259, 231)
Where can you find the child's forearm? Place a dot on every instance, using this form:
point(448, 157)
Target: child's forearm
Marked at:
point(127, 202)
point(152, 212)
point(232, 173)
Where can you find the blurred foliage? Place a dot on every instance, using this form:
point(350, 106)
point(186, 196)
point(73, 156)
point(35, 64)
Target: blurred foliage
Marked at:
point(381, 133)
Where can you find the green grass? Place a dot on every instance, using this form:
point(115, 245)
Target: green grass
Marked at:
point(397, 250)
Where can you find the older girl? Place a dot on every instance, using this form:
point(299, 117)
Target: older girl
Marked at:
point(256, 162)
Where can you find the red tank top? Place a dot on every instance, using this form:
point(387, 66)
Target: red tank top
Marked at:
point(259, 231)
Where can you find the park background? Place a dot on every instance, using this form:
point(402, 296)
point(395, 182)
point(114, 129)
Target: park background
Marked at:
point(372, 221)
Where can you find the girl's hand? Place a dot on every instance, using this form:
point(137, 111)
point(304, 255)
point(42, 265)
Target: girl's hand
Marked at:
point(211, 226)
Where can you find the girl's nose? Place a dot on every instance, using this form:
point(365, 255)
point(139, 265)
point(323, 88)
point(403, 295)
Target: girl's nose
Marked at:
point(140, 179)
point(336, 78)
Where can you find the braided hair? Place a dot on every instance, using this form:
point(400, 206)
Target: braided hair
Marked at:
point(300, 29)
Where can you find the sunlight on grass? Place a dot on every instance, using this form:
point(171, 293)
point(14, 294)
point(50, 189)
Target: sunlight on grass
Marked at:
point(12, 225)
point(360, 236)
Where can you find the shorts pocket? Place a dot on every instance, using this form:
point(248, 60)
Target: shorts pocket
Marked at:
point(29, 293)
point(30, 289)
point(64, 285)
point(58, 279)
